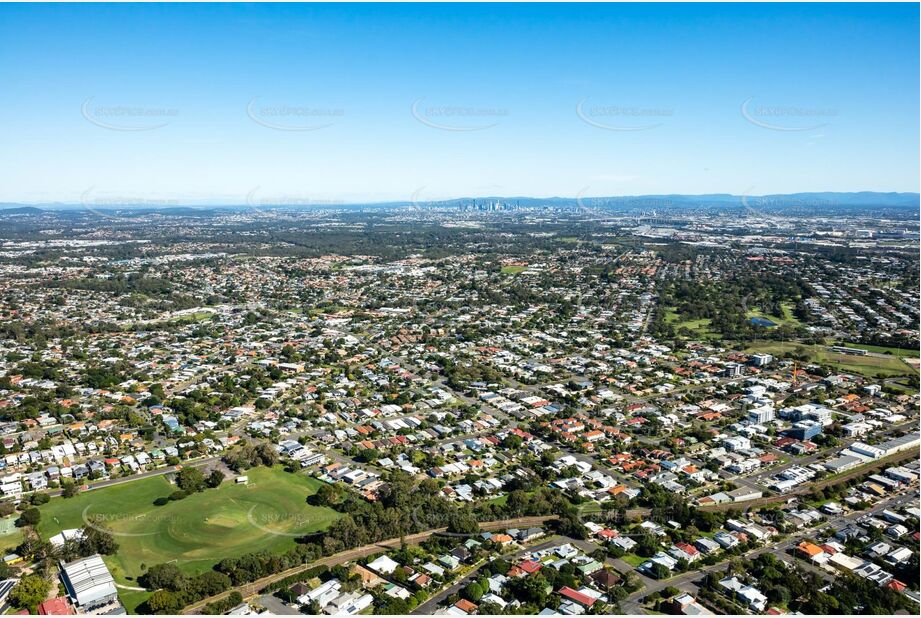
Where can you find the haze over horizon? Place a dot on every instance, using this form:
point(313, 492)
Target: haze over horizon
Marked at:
point(806, 198)
point(216, 104)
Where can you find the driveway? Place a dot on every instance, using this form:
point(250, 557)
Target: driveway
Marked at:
point(276, 606)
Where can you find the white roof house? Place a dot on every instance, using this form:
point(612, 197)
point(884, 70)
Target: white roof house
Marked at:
point(62, 537)
point(383, 565)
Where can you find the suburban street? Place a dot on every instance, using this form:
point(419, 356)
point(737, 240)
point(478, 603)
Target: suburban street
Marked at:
point(253, 588)
point(686, 581)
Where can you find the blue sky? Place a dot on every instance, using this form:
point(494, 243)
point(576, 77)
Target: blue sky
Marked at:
point(236, 103)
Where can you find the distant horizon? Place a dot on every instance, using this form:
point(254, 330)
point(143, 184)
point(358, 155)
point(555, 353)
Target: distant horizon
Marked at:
point(187, 203)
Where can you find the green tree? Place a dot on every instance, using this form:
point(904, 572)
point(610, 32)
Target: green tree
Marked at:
point(215, 478)
point(162, 576)
point(463, 521)
point(532, 589)
point(473, 592)
point(164, 602)
point(190, 480)
point(39, 499)
point(29, 592)
point(69, 489)
point(29, 517)
point(97, 540)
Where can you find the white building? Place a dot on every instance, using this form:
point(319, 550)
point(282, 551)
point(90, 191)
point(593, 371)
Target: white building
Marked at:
point(748, 595)
point(383, 565)
point(737, 443)
point(867, 450)
point(89, 583)
point(761, 414)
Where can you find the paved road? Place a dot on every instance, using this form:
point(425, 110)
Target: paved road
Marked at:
point(685, 581)
point(808, 487)
point(586, 546)
point(276, 606)
point(430, 605)
point(758, 477)
point(253, 588)
point(198, 463)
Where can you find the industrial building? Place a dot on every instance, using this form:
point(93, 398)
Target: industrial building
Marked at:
point(89, 584)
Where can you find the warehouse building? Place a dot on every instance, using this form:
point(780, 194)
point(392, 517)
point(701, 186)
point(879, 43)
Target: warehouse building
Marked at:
point(89, 584)
point(842, 463)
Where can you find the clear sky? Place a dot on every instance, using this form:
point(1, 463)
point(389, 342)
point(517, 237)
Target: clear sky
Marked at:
point(301, 103)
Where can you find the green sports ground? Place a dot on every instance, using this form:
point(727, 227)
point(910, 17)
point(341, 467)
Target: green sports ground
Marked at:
point(268, 514)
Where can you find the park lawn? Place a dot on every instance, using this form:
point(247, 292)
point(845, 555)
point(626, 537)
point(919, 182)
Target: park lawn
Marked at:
point(131, 599)
point(699, 327)
point(788, 319)
point(702, 323)
point(868, 366)
point(901, 352)
point(315, 311)
point(9, 542)
point(116, 502)
point(198, 316)
point(197, 532)
point(671, 316)
point(513, 270)
point(903, 386)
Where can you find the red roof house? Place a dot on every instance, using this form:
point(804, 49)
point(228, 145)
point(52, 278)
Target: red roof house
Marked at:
point(578, 597)
point(58, 606)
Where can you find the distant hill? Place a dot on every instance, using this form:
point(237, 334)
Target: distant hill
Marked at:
point(861, 198)
point(175, 211)
point(122, 211)
point(818, 199)
point(19, 210)
point(667, 200)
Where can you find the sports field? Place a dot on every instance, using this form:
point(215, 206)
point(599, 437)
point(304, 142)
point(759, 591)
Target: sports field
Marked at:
point(870, 366)
point(198, 531)
point(900, 352)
